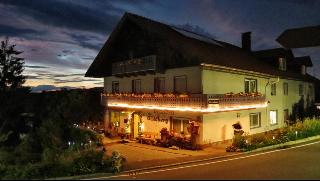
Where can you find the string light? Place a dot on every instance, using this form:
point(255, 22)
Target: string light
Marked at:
point(190, 109)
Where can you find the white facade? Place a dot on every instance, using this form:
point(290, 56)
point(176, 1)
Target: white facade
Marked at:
point(217, 126)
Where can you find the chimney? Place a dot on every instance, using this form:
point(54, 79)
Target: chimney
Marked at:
point(246, 41)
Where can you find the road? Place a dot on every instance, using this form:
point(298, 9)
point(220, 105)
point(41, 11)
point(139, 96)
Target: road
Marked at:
point(299, 162)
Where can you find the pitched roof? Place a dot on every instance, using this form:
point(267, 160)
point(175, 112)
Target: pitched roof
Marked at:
point(305, 60)
point(207, 49)
point(275, 52)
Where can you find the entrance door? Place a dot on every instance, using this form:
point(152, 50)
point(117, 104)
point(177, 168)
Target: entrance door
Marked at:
point(136, 120)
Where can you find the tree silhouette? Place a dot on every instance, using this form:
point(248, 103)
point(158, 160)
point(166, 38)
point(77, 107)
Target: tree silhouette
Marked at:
point(11, 67)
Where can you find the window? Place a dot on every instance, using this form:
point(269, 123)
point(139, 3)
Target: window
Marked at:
point(250, 85)
point(285, 88)
point(311, 90)
point(286, 116)
point(115, 119)
point(273, 117)
point(115, 86)
point(159, 85)
point(180, 124)
point(255, 120)
point(273, 89)
point(180, 84)
point(303, 69)
point(282, 64)
point(136, 86)
point(300, 89)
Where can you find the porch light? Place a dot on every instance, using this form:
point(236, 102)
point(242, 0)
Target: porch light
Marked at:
point(189, 109)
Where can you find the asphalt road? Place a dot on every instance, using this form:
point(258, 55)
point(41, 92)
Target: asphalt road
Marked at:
point(299, 162)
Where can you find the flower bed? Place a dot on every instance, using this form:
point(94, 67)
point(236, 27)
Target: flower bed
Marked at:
point(309, 127)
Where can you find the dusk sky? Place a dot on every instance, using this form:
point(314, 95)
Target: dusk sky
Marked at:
point(60, 38)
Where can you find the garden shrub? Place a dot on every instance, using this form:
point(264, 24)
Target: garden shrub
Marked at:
point(90, 161)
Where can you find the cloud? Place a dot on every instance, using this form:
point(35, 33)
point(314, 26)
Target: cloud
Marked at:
point(18, 32)
point(70, 80)
point(69, 14)
point(33, 77)
point(35, 67)
point(87, 41)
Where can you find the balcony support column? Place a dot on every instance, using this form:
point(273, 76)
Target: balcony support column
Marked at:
point(106, 121)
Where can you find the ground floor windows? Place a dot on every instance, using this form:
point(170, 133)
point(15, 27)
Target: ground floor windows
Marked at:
point(115, 119)
point(180, 125)
point(286, 116)
point(255, 120)
point(273, 117)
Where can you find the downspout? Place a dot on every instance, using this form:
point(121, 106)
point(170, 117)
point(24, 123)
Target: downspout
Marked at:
point(265, 93)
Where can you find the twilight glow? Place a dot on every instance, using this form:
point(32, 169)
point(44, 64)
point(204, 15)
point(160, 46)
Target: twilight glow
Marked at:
point(60, 38)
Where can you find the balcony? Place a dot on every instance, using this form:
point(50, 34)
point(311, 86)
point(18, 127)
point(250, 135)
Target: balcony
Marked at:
point(135, 66)
point(191, 102)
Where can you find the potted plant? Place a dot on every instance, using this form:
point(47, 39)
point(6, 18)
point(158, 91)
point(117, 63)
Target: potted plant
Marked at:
point(164, 133)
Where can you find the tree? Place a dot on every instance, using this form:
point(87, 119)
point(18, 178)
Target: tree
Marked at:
point(11, 67)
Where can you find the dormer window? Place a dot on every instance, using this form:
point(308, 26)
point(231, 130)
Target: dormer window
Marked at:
point(303, 69)
point(282, 64)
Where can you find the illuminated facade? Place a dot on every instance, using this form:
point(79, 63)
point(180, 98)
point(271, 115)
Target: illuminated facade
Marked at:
point(158, 76)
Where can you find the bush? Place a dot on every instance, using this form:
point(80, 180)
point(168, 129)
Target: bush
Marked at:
point(239, 141)
point(117, 161)
point(89, 162)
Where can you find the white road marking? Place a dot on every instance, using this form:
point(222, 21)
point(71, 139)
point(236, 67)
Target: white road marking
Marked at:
point(200, 164)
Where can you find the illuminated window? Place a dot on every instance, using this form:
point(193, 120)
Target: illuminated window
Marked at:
point(303, 69)
point(115, 86)
point(115, 119)
point(180, 84)
point(282, 64)
point(273, 89)
point(300, 89)
point(180, 125)
point(250, 85)
point(273, 117)
point(285, 88)
point(255, 120)
point(159, 85)
point(136, 86)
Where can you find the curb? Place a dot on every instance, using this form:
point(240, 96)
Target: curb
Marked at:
point(78, 177)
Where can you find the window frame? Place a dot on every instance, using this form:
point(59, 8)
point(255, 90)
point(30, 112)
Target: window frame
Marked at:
point(181, 121)
point(276, 122)
point(251, 121)
point(249, 84)
point(273, 89)
point(157, 85)
point(285, 88)
point(175, 85)
point(282, 64)
point(301, 91)
point(134, 86)
point(113, 88)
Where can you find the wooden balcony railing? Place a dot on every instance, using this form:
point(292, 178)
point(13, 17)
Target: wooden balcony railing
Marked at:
point(193, 102)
